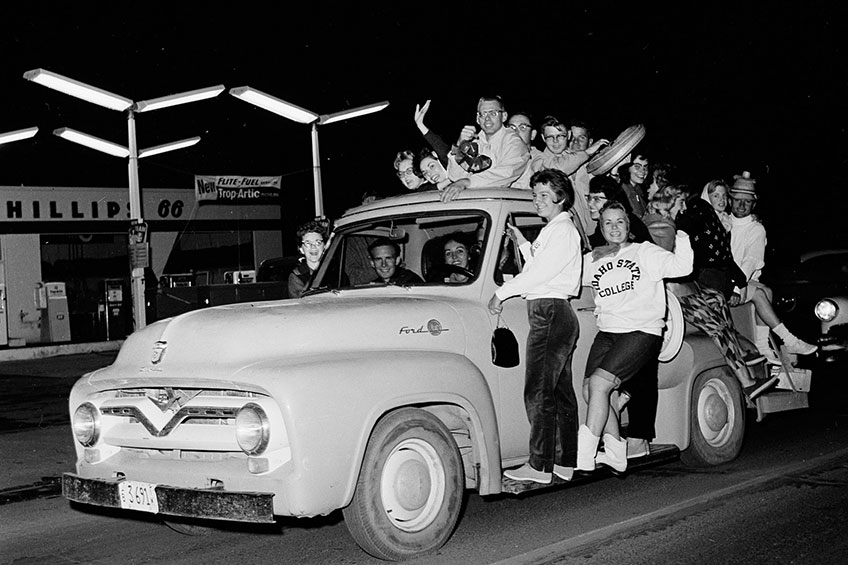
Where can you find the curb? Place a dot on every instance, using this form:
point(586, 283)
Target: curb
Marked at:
point(45, 351)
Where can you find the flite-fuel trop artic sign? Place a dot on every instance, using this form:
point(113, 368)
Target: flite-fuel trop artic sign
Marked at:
point(236, 189)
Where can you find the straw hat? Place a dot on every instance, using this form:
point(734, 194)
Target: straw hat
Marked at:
point(607, 158)
point(744, 184)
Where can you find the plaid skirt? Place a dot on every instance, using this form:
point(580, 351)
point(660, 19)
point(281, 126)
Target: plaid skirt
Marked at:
point(708, 311)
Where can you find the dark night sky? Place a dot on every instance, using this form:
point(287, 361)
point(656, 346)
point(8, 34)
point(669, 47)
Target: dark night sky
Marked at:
point(719, 90)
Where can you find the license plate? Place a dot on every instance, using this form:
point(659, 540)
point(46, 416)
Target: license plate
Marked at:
point(136, 495)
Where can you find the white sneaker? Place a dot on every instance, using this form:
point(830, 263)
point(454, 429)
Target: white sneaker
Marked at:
point(528, 473)
point(614, 454)
point(799, 347)
point(564, 473)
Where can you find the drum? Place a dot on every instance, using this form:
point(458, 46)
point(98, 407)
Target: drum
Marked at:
point(607, 158)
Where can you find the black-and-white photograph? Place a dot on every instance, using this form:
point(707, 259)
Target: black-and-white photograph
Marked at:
point(437, 283)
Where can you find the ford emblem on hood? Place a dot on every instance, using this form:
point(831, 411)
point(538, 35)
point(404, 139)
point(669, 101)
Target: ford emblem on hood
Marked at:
point(158, 351)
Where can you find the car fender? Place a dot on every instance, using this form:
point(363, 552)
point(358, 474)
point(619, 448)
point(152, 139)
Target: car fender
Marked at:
point(698, 354)
point(328, 445)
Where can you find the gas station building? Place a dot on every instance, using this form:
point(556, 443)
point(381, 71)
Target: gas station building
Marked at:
point(65, 261)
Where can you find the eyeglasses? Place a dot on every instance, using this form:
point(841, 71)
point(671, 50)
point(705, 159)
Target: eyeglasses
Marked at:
point(557, 137)
point(488, 113)
point(313, 244)
point(405, 173)
point(595, 197)
point(522, 127)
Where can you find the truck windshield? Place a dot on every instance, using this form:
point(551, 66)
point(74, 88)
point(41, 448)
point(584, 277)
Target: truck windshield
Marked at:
point(432, 249)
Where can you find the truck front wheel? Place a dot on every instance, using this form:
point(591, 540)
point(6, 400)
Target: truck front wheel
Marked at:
point(410, 488)
point(716, 420)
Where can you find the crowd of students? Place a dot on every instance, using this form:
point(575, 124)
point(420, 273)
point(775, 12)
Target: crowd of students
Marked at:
point(626, 234)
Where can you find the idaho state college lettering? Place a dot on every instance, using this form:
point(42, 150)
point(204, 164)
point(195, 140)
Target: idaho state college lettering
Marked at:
point(614, 277)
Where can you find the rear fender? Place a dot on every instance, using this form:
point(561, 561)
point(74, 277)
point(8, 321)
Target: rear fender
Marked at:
point(675, 391)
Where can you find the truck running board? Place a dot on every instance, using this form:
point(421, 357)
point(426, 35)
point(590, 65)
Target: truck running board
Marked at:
point(660, 454)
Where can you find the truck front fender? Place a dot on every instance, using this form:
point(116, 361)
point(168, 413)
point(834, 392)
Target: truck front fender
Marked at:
point(331, 403)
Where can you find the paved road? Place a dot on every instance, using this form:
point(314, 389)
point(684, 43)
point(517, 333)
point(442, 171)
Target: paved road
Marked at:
point(782, 501)
point(35, 437)
point(34, 392)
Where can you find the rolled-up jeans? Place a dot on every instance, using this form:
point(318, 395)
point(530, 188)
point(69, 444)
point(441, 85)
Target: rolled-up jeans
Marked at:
point(548, 388)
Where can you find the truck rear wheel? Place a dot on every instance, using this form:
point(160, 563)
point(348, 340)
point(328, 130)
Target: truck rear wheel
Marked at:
point(716, 420)
point(410, 488)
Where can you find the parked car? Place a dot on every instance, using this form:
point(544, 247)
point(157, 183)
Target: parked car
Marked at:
point(811, 297)
point(799, 286)
point(380, 400)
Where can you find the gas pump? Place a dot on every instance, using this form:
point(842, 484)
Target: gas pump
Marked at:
point(113, 310)
point(52, 300)
point(4, 323)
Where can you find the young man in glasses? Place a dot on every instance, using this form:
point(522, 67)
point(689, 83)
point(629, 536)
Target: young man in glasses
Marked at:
point(557, 155)
point(507, 154)
point(522, 124)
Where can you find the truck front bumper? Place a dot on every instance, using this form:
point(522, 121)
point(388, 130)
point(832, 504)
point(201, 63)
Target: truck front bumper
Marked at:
point(213, 504)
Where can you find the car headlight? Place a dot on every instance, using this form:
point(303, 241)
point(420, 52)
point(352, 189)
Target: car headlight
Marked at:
point(252, 429)
point(826, 310)
point(86, 424)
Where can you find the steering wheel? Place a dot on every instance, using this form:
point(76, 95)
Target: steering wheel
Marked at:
point(446, 269)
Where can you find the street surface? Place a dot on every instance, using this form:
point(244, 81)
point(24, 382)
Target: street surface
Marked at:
point(784, 500)
point(34, 393)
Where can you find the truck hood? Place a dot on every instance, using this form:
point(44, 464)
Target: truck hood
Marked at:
point(242, 334)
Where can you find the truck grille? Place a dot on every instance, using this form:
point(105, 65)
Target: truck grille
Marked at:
point(161, 410)
point(202, 415)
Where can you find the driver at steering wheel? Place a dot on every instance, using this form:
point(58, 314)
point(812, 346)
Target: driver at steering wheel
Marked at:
point(457, 258)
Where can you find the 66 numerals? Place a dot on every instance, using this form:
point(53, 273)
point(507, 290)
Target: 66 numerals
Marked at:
point(170, 209)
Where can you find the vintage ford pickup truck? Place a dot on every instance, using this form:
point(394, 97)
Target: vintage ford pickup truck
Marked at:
point(380, 400)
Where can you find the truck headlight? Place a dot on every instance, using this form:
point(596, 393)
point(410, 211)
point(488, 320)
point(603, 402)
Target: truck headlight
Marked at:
point(826, 310)
point(86, 424)
point(252, 429)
